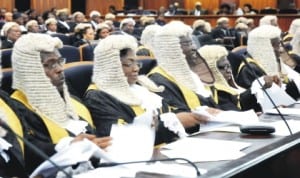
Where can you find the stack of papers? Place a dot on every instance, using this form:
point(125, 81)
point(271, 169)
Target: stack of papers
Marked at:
point(203, 150)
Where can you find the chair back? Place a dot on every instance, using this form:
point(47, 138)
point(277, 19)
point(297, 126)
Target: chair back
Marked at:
point(71, 53)
point(87, 52)
point(6, 58)
point(78, 77)
point(64, 38)
point(6, 82)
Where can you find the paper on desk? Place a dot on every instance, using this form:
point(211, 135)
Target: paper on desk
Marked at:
point(278, 95)
point(281, 128)
point(132, 142)
point(285, 111)
point(226, 118)
point(77, 152)
point(202, 150)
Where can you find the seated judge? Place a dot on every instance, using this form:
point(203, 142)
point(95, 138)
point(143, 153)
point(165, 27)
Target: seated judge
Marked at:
point(183, 89)
point(11, 32)
point(118, 94)
point(225, 91)
point(52, 114)
point(263, 55)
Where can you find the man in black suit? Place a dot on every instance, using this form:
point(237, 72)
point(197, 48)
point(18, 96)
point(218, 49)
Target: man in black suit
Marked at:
point(198, 10)
point(62, 25)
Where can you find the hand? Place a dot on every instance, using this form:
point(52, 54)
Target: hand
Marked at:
point(102, 142)
point(213, 111)
point(80, 137)
point(276, 79)
point(268, 81)
point(189, 119)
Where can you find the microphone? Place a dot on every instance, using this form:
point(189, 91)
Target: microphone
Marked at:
point(34, 148)
point(111, 164)
point(265, 91)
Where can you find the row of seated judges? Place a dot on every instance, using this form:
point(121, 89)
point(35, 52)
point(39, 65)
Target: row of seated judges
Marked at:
point(43, 109)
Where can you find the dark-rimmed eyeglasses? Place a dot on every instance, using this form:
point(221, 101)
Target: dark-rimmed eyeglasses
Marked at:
point(224, 67)
point(53, 64)
point(132, 64)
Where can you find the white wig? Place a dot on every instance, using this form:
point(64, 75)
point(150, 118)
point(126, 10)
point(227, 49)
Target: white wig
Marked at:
point(148, 34)
point(126, 21)
point(260, 47)
point(7, 26)
point(295, 25)
point(212, 54)
point(198, 23)
point(94, 13)
point(29, 77)
point(107, 73)
point(296, 42)
point(266, 20)
point(169, 54)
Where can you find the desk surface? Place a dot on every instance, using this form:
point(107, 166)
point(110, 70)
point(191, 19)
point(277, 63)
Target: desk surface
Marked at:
point(262, 148)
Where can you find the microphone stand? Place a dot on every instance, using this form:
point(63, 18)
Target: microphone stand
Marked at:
point(111, 164)
point(35, 149)
point(265, 91)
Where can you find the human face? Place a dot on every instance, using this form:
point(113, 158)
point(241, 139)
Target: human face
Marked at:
point(104, 33)
point(130, 67)
point(199, 66)
point(79, 18)
point(187, 46)
point(14, 33)
point(89, 34)
point(276, 46)
point(53, 66)
point(224, 67)
point(34, 28)
point(128, 28)
point(52, 27)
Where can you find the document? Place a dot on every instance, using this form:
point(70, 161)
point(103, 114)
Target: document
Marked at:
point(226, 118)
point(285, 111)
point(203, 150)
point(276, 93)
point(77, 152)
point(132, 142)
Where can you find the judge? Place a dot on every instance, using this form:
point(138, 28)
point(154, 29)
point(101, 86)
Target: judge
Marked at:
point(116, 96)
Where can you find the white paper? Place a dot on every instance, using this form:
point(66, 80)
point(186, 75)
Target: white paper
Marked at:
point(278, 95)
point(226, 118)
point(132, 142)
point(77, 152)
point(281, 128)
point(203, 150)
point(284, 111)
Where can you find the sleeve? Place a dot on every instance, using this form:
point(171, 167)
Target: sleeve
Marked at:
point(248, 101)
point(246, 76)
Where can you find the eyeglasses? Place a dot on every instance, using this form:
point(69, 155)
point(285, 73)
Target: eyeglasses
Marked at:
point(225, 67)
point(132, 64)
point(53, 64)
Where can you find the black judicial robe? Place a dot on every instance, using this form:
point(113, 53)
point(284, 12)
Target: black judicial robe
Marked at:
point(15, 167)
point(107, 110)
point(245, 78)
point(232, 101)
point(177, 96)
point(42, 132)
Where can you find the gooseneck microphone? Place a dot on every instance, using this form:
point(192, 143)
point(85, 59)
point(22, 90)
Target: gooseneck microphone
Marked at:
point(111, 164)
point(34, 148)
point(265, 91)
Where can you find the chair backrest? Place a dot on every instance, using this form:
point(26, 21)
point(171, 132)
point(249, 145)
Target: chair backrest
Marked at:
point(7, 80)
point(6, 58)
point(268, 11)
point(288, 11)
point(78, 77)
point(71, 53)
point(64, 38)
point(87, 52)
point(148, 65)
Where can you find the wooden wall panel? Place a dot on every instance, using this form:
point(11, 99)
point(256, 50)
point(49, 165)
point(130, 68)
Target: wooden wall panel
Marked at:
point(154, 4)
point(297, 2)
point(8, 4)
point(44, 5)
point(102, 5)
point(259, 4)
